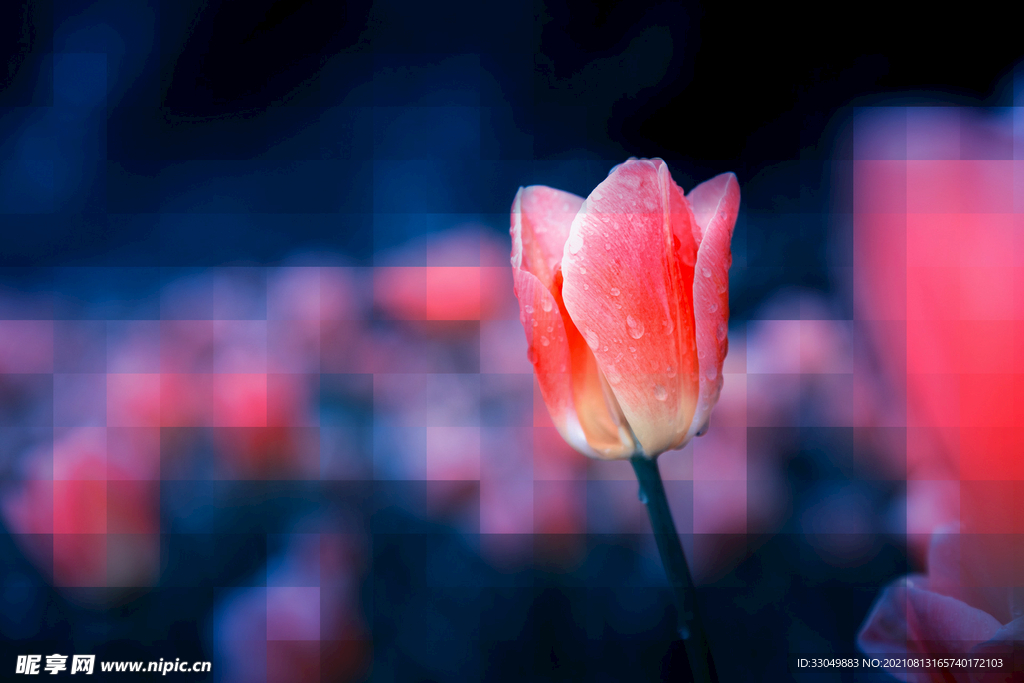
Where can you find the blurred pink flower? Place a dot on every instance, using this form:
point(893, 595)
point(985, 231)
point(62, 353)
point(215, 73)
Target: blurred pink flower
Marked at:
point(88, 515)
point(937, 289)
point(464, 278)
point(968, 604)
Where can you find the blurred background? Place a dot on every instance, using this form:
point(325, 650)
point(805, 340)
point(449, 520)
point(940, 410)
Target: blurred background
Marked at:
point(264, 396)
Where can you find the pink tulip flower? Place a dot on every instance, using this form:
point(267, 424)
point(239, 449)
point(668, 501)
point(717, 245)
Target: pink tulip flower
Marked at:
point(624, 297)
point(967, 605)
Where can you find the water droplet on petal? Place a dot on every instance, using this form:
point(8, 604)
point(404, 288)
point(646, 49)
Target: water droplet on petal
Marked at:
point(712, 372)
point(592, 339)
point(615, 291)
point(607, 246)
point(544, 341)
point(618, 306)
point(575, 242)
point(636, 328)
point(713, 307)
point(642, 495)
point(705, 271)
point(632, 349)
point(668, 325)
point(722, 289)
point(704, 427)
point(596, 194)
point(723, 331)
point(583, 271)
point(586, 286)
point(660, 392)
point(545, 303)
point(534, 322)
point(529, 309)
point(551, 328)
point(701, 353)
point(670, 371)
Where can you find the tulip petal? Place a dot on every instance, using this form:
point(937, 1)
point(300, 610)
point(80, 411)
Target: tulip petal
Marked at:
point(715, 205)
point(551, 360)
point(1004, 640)
point(628, 270)
point(973, 568)
point(583, 410)
point(908, 619)
point(541, 217)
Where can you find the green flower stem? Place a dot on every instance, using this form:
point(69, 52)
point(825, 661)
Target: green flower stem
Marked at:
point(652, 493)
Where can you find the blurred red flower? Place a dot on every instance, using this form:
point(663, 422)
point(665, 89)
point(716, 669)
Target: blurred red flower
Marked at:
point(89, 515)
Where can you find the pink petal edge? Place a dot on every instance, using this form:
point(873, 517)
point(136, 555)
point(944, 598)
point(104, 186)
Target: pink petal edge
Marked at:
point(551, 361)
point(715, 204)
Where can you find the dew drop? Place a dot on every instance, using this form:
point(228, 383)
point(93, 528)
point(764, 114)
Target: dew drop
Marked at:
point(668, 325)
point(723, 331)
point(615, 291)
point(551, 328)
point(583, 271)
point(586, 286)
point(618, 306)
point(592, 339)
point(713, 307)
point(670, 371)
point(605, 348)
point(636, 328)
point(534, 322)
point(705, 271)
point(712, 372)
point(529, 309)
point(608, 246)
point(704, 427)
point(545, 304)
point(660, 392)
point(596, 194)
point(632, 349)
point(701, 354)
point(576, 242)
point(722, 289)
point(544, 341)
